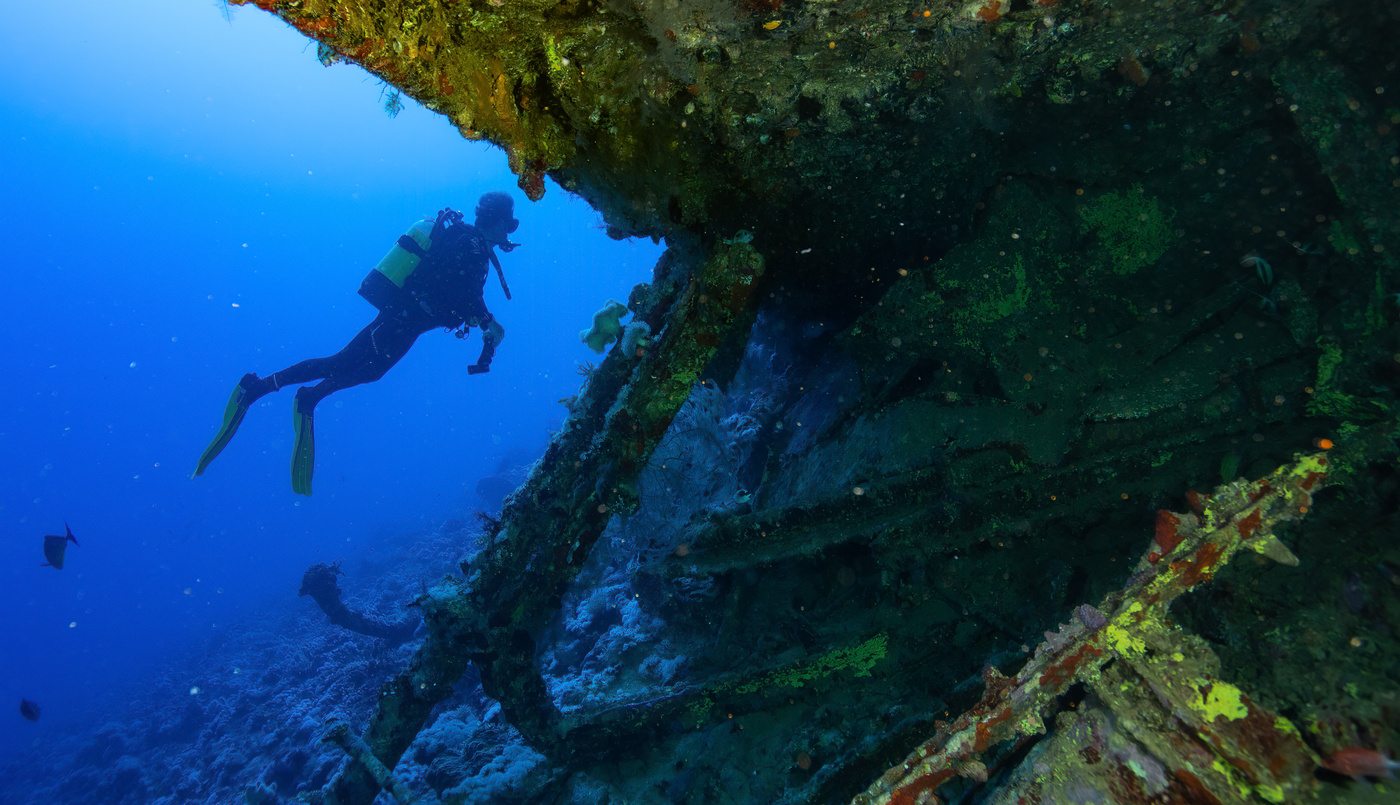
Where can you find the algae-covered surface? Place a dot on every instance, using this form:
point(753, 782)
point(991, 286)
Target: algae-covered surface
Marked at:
point(977, 320)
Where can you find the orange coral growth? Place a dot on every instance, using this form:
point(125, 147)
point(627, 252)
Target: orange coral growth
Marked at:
point(365, 48)
point(990, 12)
point(532, 179)
point(1132, 69)
point(1249, 41)
point(314, 28)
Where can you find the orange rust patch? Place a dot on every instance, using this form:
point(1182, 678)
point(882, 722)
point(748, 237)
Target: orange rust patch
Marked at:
point(1197, 790)
point(1199, 566)
point(1197, 501)
point(1064, 670)
point(1248, 525)
point(983, 731)
point(1166, 532)
point(1277, 765)
point(910, 794)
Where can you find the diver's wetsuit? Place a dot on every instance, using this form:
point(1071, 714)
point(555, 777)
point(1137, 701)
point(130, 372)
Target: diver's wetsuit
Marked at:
point(443, 292)
point(442, 289)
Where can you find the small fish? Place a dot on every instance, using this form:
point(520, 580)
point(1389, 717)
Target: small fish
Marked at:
point(29, 710)
point(1361, 763)
point(55, 547)
point(1260, 266)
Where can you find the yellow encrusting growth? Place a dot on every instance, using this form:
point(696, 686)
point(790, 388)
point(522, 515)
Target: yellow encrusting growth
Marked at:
point(1121, 635)
point(1223, 700)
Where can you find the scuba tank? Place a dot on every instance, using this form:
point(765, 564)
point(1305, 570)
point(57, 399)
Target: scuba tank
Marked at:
point(383, 286)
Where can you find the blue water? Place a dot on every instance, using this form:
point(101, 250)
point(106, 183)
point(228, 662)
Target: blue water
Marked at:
point(185, 200)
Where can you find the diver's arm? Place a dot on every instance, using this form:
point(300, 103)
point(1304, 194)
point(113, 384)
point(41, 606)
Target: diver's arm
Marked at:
point(491, 335)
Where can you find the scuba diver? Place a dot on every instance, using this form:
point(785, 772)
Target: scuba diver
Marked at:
point(434, 276)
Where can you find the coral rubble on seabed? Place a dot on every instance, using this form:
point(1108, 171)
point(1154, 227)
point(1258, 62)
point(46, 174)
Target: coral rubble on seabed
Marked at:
point(241, 714)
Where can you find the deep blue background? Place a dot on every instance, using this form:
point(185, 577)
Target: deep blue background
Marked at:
point(185, 200)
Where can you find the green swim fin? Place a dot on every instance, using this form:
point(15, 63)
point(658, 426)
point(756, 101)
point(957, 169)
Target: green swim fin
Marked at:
point(304, 448)
point(237, 406)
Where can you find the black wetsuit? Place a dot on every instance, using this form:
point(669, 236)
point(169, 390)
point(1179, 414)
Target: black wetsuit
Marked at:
point(445, 290)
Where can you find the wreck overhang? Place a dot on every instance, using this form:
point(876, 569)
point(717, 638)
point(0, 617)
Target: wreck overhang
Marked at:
point(790, 119)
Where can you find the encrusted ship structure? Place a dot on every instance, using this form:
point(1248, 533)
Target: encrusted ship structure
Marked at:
point(960, 301)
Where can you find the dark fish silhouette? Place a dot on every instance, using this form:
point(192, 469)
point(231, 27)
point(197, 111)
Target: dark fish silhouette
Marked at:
point(29, 710)
point(55, 547)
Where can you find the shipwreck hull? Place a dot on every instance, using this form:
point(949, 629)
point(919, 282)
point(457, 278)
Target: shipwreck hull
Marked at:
point(988, 285)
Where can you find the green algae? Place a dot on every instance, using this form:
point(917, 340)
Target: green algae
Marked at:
point(1329, 400)
point(1132, 230)
point(858, 661)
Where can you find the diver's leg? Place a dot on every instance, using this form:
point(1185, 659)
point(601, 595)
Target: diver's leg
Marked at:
point(360, 351)
point(376, 349)
point(367, 357)
point(250, 387)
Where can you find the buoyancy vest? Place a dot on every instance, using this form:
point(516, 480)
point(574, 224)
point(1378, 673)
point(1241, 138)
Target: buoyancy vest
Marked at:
point(436, 268)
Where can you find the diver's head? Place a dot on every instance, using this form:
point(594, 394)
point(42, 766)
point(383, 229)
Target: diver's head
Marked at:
point(495, 216)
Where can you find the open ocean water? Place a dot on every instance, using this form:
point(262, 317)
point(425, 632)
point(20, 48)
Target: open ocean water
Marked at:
point(186, 199)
